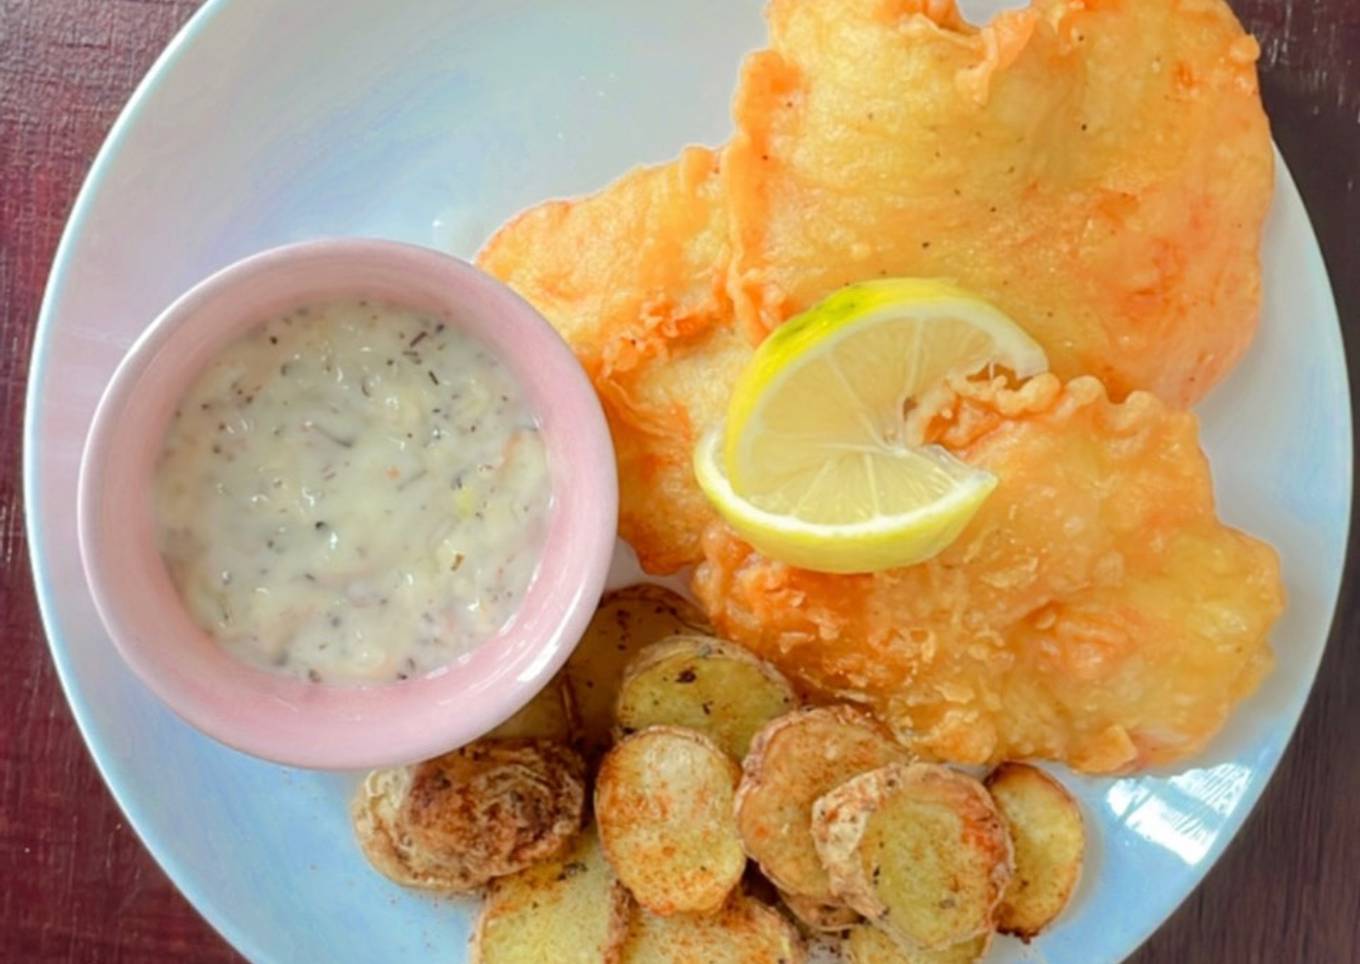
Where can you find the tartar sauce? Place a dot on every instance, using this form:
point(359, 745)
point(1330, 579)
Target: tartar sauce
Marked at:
point(352, 492)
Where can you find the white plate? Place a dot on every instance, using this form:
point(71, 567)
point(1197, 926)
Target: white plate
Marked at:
point(431, 122)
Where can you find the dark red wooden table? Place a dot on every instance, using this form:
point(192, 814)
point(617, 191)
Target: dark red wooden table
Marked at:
point(75, 883)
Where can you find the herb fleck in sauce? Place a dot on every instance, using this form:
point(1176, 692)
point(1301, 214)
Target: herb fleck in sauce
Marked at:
point(352, 492)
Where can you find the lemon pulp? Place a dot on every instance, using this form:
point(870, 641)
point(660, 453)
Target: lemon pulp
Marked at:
point(816, 466)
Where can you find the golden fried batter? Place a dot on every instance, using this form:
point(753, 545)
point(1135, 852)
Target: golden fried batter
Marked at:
point(1100, 170)
point(1094, 611)
point(633, 278)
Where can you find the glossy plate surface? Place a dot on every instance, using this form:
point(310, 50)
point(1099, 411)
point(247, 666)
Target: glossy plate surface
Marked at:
point(431, 122)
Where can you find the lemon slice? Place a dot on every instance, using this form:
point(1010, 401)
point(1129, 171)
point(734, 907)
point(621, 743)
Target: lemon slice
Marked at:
point(945, 493)
point(816, 467)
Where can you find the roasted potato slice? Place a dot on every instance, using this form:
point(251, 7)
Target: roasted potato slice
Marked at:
point(626, 621)
point(663, 802)
point(919, 850)
point(745, 931)
point(793, 761)
point(548, 716)
point(1050, 841)
point(489, 809)
point(819, 918)
point(705, 684)
point(571, 909)
point(824, 948)
point(866, 944)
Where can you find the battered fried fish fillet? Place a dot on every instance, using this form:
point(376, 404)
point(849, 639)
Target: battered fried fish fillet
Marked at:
point(634, 279)
point(1095, 610)
point(1099, 169)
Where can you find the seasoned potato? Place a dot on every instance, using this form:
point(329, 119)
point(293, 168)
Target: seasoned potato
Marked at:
point(745, 931)
point(1046, 830)
point(571, 909)
point(705, 684)
point(818, 917)
point(792, 762)
point(548, 716)
point(663, 802)
point(866, 944)
point(825, 948)
point(919, 850)
point(626, 621)
point(489, 809)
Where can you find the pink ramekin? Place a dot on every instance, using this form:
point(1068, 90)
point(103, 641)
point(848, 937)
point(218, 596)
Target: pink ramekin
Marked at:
point(341, 726)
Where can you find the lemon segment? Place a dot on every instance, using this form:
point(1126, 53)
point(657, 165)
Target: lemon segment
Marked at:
point(821, 464)
point(842, 374)
point(838, 523)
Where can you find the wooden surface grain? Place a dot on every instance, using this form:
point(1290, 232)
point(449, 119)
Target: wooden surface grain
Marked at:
point(77, 885)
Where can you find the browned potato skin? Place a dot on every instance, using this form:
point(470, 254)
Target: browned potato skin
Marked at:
point(550, 715)
point(866, 944)
point(774, 817)
point(523, 902)
point(486, 810)
point(842, 827)
point(1026, 911)
point(627, 620)
point(818, 917)
point(674, 847)
point(730, 718)
point(744, 931)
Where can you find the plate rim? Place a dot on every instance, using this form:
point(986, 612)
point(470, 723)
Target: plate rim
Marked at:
point(219, 918)
point(237, 937)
